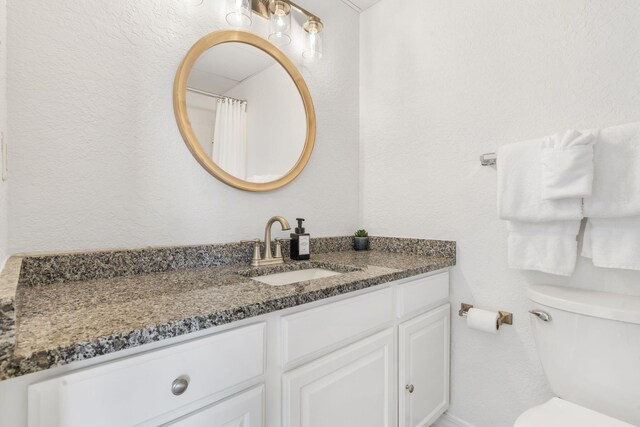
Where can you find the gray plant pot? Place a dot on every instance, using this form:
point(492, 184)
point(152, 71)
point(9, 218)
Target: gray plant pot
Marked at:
point(361, 243)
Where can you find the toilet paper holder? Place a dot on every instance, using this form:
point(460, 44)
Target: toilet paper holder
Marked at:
point(505, 317)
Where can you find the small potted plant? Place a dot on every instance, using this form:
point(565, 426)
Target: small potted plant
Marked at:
point(361, 240)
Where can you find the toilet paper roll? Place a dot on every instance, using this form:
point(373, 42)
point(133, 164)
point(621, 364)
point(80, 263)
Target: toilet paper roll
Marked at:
point(483, 320)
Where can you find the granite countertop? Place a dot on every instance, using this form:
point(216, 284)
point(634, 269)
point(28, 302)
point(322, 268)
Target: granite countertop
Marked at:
point(70, 307)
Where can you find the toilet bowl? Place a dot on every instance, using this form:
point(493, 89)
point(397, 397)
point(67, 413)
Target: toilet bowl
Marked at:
point(589, 346)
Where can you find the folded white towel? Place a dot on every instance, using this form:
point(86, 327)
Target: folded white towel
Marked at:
point(542, 233)
point(613, 242)
point(612, 235)
point(567, 166)
point(550, 247)
point(519, 189)
point(616, 185)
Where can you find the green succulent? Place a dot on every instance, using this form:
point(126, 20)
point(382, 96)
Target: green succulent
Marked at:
point(361, 233)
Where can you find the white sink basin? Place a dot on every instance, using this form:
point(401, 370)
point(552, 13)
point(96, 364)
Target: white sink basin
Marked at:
point(279, 279)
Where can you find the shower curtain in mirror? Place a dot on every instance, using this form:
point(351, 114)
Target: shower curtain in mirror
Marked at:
point(230, 137)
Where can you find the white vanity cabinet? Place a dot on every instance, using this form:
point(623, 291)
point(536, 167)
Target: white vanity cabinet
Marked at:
point(362, 384)
point(375, 357)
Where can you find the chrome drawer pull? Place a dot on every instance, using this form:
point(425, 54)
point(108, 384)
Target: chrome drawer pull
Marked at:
point(179, 385)
point(544, 316)
point(409, 387)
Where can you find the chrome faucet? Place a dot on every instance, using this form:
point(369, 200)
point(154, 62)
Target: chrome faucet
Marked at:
point(268, 258)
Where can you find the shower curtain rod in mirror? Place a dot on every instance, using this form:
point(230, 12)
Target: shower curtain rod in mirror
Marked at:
point(214, 95)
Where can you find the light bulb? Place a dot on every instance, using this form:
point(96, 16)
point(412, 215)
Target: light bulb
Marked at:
point(313, 39)
point(280, 23)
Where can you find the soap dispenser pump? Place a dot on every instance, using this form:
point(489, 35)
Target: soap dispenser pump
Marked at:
point(300, 243)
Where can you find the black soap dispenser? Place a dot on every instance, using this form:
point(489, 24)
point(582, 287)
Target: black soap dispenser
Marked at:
point(300, 243)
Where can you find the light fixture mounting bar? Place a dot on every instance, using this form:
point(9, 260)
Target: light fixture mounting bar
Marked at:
point(261, 7)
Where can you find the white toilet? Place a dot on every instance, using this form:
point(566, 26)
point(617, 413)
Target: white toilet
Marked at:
point(589, 346)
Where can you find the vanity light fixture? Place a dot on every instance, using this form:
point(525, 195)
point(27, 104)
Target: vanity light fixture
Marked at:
point(238, 13)
point(279, 12)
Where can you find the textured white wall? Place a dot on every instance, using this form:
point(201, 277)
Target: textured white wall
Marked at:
point(441, 83)
point(4, 228)
point(97, 160)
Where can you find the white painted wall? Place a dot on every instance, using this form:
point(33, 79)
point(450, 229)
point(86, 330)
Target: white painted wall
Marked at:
point(445, 81)
point(277, 125)
point(4, 228)
point(97, 158)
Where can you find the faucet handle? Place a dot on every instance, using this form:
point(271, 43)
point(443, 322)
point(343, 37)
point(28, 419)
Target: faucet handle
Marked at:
point(255, 259)
point(257, 241)
point(279, 241)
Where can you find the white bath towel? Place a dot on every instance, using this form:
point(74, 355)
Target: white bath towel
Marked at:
point(612, 235)
point(567, 166)
point(550, 247)
point(542, 233)
point(519, 189)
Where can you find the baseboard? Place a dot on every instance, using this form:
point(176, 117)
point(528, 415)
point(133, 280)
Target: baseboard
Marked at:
point(447, 420)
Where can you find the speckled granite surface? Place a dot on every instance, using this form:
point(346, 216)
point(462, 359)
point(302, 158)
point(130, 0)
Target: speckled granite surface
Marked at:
point(8, 287)
point(77, 306)
point(68, 267)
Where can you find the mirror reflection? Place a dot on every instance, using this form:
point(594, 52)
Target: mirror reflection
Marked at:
point(246, 112)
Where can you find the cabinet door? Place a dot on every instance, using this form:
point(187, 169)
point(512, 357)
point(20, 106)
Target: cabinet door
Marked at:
point(424, 368)
point(351, 387)
point(242, 410)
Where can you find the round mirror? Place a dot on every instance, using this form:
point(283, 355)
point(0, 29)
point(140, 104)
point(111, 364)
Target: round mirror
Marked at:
point(244, 111)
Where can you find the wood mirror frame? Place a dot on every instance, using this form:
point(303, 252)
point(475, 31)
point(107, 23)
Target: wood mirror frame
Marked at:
point(180, 107)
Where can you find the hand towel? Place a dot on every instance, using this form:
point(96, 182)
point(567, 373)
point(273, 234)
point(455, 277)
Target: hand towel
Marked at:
point(519, 189)
point(616, 184)
point(567, 166)
point(542, 233)
point(550, 247)
point(612, 235)
point(613, 242)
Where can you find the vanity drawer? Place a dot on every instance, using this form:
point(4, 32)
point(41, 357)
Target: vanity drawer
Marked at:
point(422, 293)
point(310, 331)
point(242, 410)
point(139, 388)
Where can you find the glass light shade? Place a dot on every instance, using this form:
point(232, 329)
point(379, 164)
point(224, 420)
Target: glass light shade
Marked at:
point(239, 13)
point(313, 40)
point(280, 23)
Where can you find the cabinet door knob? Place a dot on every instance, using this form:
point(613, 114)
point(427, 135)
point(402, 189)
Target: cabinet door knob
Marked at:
point(409, 387)
point(179, 385)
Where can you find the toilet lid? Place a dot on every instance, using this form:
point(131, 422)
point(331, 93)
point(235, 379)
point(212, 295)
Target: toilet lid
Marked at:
point(561, 413)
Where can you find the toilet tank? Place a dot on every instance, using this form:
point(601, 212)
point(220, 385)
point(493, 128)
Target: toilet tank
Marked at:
point(590, 348)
